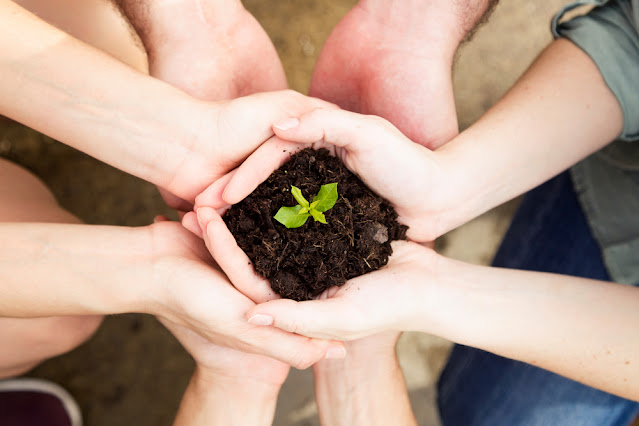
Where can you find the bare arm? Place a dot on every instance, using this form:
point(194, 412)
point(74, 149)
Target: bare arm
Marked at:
point(67, 275)
point(558, 113)
point(582, 329)
point(455, 20)
point(87, 99)
point(211, 400)
point(165, 21)
point(365, 388)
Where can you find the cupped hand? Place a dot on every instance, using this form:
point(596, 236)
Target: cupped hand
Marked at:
point(393, 298)
point(217, 137)
point(193, 294)
point(387, 59)
point(213, 51)
point(226, 363)
point(424, 192)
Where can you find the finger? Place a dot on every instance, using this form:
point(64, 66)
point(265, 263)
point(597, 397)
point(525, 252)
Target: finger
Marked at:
point(270, 156)
point(160, 218)
point(326, 319)
point(297, 351)
point(212, 196)
point(328, 293)
point(190, 222)
point(174, 201)
point(231, 258)
point(336, 127)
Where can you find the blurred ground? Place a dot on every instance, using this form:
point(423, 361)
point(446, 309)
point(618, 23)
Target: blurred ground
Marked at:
point(133, 372)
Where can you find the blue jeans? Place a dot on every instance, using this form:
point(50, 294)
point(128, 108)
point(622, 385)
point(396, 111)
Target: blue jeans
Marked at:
point(549, 233)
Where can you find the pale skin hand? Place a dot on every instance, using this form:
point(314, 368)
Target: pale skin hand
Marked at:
point(129, 120)
point(213, 50)
point(218, 318)
point(338, 401)
point(162, 270)
point(228, 386)
point(582, 329)
point(558, 113)
point(393, 58)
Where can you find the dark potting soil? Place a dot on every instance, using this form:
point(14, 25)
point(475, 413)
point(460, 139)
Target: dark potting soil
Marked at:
point(302, 262)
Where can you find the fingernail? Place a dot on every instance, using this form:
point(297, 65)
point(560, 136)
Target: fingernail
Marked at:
point(261, 319)
point(289, 123)
point(336, 352)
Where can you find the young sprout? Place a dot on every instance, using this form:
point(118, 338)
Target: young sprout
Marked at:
point(296, 216)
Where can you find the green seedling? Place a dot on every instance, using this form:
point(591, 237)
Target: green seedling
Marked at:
point(296, 216)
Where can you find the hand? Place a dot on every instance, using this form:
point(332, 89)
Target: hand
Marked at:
point(227, 386)
point(217, 137)
point(195, 295)
point(394, 59)
point(421, 187)
point(212, 50)
point(395, 297)
point(225, 364)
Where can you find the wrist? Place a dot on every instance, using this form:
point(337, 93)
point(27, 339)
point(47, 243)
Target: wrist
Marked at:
point(260, 392)
point(456, 301)
point(243, 402)
point(209, 400)
point(436, 29)
point(464, 194)
point(171, 24)
point(373, 392)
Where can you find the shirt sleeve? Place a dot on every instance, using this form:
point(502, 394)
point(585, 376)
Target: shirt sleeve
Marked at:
point(609, 34)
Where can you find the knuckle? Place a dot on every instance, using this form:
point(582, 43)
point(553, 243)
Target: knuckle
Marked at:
point(377, 121)
point(305, 358)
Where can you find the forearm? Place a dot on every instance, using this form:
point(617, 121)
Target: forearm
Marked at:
point(439, 25)
point(582, 329)
point(88, 100)
point(366, 388)
point(558, 113)
point(210, 400)
point(165, 23)
point(55, 269)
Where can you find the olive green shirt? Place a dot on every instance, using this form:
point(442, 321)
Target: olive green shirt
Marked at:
point(607, 182)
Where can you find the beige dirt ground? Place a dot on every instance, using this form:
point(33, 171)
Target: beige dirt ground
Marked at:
point(133, 372)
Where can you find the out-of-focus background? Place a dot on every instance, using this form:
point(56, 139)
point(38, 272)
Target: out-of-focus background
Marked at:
point(133, 372)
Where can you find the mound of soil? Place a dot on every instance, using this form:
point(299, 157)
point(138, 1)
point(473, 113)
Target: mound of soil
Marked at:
point(302, 262)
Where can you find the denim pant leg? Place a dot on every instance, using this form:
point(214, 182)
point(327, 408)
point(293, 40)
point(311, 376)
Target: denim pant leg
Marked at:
point(549, 233)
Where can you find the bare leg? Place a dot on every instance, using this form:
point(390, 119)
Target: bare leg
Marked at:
point(27, 342)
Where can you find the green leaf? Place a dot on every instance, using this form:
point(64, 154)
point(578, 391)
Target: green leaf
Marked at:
point(319, 217)
point(291, 217)
point(297, 193)
point(326, 197)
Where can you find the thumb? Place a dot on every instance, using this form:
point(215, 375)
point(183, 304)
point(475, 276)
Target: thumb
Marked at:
point(325, 319)
point(258, 167)
point(340, 128)
point(231, 258)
